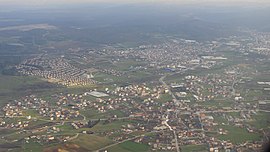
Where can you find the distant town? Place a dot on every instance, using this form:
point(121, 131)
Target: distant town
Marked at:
point(173, 96)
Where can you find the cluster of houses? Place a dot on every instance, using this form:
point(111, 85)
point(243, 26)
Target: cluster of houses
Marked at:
point(261, 44)
point(170, 119)
point(55, 70)
point(147, 115)
point(173, 55)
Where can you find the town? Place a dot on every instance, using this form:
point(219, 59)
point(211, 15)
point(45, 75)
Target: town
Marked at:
point(170, 97)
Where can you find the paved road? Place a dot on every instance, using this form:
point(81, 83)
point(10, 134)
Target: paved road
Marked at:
point(176, 101)
point(104, 148)
point(174, 134)
point(161, 80)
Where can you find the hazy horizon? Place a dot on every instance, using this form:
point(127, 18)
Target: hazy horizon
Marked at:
point(134, 75)
point(53, 2)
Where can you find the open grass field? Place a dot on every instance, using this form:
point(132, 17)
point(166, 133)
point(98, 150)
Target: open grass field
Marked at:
point(30, 112)
point(118, 113)
point(66, 128)
point(12, 87)
point(116, 125)
point(216, 103)
point(238, 135)
point(261, 120)
point(128, 64)
point(129, 77)
point(107, 78)
point(83, 143)
point(92, 114)
point(164, 98)
point(193, 148)
point(129, 146)
point(38, 123)
point(14, 120)
point(220, 119)
point(17, 136)
point(91, 142)
point(6, 131)
point(32, 146)
point(9, 83)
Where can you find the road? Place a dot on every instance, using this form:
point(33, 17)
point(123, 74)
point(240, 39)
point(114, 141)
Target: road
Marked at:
point(104, 148)
point(56, 125)
point(174, 134)
point(176, 101)
point(161, 80)
point(74, 137)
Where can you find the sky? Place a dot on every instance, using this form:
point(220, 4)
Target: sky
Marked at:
point(16, 5)
point(49, 2)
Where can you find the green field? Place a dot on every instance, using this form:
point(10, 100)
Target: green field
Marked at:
point(194, 148)
point(115, 125)
point(6, 132)
point(129, 146)
point(30, 112)
point(91, 142)
point(32, 146)
point(92, 114)
point(66, 128)
point(12, 87)
point(220, 119)
point(238, 135)
point(261, 120)
point(10, 83)
point(82, 143)
point(127, 64)
point(217, 103)
point(164, 98)
point(106, 78)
